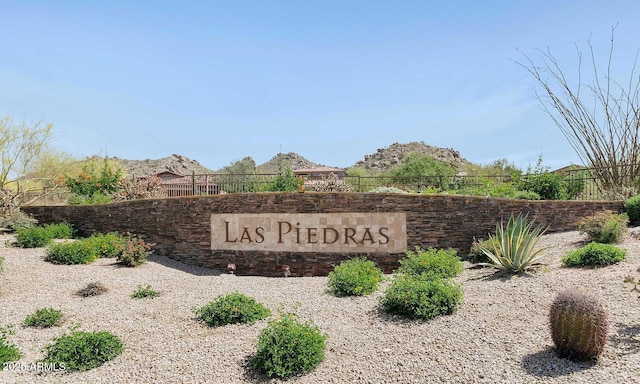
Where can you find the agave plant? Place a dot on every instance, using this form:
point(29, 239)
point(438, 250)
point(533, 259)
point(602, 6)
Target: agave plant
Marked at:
point(512, 248)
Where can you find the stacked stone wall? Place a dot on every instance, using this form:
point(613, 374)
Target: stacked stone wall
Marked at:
point(181, 227)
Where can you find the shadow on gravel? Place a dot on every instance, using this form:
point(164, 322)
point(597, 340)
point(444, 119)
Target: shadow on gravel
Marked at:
point(250, 374)
point(501, 275)
point(547, 364)
point(398, 320)
point(170, 263)
point(627, 339)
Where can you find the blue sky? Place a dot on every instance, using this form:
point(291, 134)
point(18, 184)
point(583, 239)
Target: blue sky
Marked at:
point(331, 80)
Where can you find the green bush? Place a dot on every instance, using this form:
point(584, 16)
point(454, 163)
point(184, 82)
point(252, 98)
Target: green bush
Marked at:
point(512, 248)
point(605, 227)
point(8, 350)
point(1, 261)
point(546, 184)
point(81, 351)
point(594, 254)
point(92, 289)
point(40, 236)
point(91, 182)
point(134, 252)
point(60, 230)
point(356, 277)
point(415, 167)
point(417, 297)
point(106, 245)
point(526, 195)
point(231, 309)
point(288, 347)
point(144, 292)
point(75, 252)
point(285, 180)
point(431, 263)
point(35, 237)
point(632, 208)
point(44, 318)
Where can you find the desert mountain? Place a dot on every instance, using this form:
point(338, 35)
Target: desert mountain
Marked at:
point(380, 161)
point(285, 160)
point(175, 163)
point(386, 158)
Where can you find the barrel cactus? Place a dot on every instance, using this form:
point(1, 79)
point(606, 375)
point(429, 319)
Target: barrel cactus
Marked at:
point(579, 324)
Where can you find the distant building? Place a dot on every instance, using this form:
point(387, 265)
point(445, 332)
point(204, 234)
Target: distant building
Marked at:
point(168, 176)
point(320, 172)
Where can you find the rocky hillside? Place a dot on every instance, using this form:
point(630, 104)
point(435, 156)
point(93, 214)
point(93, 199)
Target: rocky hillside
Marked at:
point(290, 159)
point(175, 163)
point(380, 161)
point(386, 158)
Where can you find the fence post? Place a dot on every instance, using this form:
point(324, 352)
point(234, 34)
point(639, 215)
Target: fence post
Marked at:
point(193, 183)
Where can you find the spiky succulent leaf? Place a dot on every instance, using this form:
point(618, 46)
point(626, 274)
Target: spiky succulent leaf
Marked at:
point(512, 248)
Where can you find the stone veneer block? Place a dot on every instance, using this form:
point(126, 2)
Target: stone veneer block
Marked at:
point(346, 232)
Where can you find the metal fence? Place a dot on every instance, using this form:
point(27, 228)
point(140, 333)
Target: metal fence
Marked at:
point(581, 185)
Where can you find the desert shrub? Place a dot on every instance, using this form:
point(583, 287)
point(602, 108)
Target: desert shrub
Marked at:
point(288, 347)
point(547, 185)
point(476, 255)
point(105, 245)
point(60, 230)
point(594, 254)
point(285, 181)
point(144, 292)
point(579, 324)
point(150, 187)
point(8, 350)
point(431, 263)
point(632, 208)
point(92, 185)
point(417, 297)
point(331, 183)
point(419, 168)
point(1, 261)
point(35, 237)
point(81, 351)
point(94, 288)
point(44, 318)
point(74, 252)
point(231, 309)
point(40, 236)
point(526, 195)
point(134, 252)
point(605, 227)
point(355, 277)
point(14, 220)
point(387, 190)
point(512, 248)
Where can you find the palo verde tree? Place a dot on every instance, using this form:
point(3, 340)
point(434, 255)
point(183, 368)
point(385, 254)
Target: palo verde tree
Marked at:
point(599, 118)
point(20, 145)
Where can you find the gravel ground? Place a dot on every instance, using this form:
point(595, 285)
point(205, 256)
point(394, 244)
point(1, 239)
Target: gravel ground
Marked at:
point(498, 335)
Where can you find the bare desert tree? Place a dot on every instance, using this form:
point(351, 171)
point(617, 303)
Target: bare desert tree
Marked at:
point(21, 147)
point(600, 118)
